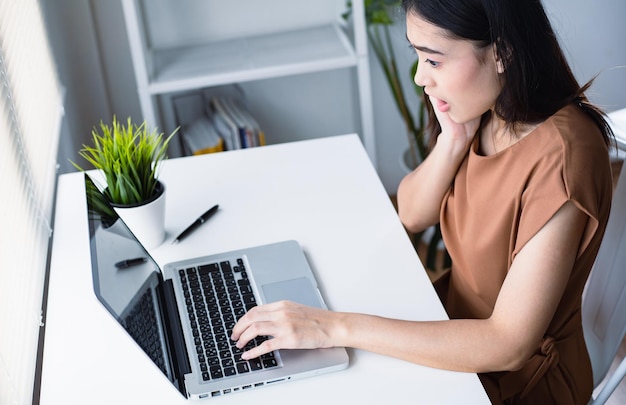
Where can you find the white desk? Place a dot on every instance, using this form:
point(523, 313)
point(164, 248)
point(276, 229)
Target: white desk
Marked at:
point(323, 193)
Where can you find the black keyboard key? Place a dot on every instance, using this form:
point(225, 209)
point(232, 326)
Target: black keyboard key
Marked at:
point(269, 363)
point(242, 367)
point(216, 372)
point(212, 351)
point(226, 268)
point(208, 269)
point(237, 304)
point(209, 345)
point(255, 364)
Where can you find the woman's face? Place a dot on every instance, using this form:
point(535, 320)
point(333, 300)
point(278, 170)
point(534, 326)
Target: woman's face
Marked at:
point(462, 78)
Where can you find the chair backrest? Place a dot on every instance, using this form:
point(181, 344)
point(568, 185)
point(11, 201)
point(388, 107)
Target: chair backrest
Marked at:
point(604, 299)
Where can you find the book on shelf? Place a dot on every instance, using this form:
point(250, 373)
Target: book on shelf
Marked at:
point(224, 124)
point(200, 137)
point(258, 136)
point(197, 135)
point(215, 119)
point(235, 124)
point(246, 135)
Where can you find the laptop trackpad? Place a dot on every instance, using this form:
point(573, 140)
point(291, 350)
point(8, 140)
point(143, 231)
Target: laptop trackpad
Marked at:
point(297, 290)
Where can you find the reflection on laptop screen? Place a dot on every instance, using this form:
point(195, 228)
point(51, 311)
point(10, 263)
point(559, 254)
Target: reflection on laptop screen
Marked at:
point(125, 278)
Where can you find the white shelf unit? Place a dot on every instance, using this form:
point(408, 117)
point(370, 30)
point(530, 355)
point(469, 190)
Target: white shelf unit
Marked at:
point(163, 71)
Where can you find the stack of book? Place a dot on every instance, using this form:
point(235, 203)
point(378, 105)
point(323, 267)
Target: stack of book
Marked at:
point(214, 124)
point(234, 124)
point(200, 137)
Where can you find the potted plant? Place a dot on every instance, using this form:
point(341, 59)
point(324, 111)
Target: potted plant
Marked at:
point(378, 19)
point(129, 158)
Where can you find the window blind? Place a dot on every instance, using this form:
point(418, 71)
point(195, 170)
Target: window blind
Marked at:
point(30, 118)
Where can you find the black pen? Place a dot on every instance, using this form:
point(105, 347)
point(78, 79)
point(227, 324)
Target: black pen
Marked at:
point(124, 264)
point(203, 218)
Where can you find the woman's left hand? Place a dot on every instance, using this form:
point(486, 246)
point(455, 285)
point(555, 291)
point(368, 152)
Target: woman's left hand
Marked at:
point(291, 326)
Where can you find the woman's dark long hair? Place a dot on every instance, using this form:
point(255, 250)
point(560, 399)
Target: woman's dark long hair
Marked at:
point(538, 81)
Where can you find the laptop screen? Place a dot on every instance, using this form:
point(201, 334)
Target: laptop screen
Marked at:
point(125, 278)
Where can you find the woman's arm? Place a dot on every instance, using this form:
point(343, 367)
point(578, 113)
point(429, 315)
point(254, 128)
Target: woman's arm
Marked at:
point(421, 192)
point(504, 341)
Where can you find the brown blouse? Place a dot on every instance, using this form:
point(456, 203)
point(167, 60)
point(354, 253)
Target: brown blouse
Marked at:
point(495, 206)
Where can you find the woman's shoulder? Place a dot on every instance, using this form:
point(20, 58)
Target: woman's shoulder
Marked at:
point(576, 128)
point(566, 152)
point(581, 148)
point(573, 135)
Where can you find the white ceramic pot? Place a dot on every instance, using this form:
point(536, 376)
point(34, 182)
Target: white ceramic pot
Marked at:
point(146, 220)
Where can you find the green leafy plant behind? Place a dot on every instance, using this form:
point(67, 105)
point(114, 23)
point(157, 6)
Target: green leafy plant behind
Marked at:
point(378, 20)
point(129, 157)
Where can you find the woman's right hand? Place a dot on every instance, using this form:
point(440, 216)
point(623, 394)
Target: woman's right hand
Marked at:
point(421, 192)
point(461, 134)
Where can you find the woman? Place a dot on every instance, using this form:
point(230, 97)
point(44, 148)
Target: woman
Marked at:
point(522, 215)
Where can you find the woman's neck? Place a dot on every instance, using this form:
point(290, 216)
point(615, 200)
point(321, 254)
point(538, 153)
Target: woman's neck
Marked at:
point(497, 136)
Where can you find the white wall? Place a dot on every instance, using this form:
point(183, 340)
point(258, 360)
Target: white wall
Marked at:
point(94, 60)
point(592, 34)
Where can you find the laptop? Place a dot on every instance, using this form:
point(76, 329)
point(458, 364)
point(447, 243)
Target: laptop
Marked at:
point(182, 315)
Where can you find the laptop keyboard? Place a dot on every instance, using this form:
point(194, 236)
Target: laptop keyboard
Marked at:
point(217, 295)
point(141, 324)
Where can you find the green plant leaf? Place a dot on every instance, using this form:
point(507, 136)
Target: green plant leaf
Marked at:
point(129, 157)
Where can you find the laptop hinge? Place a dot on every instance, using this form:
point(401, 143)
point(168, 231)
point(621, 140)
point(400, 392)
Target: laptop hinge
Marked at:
point(174, 332)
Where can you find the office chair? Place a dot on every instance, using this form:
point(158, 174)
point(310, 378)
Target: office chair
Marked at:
point(604, 299)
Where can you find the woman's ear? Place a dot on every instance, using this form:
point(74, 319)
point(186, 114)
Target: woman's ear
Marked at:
point(502, 58)
point(499, 65)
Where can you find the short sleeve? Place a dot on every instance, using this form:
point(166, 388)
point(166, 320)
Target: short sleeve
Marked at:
point(566, 175)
